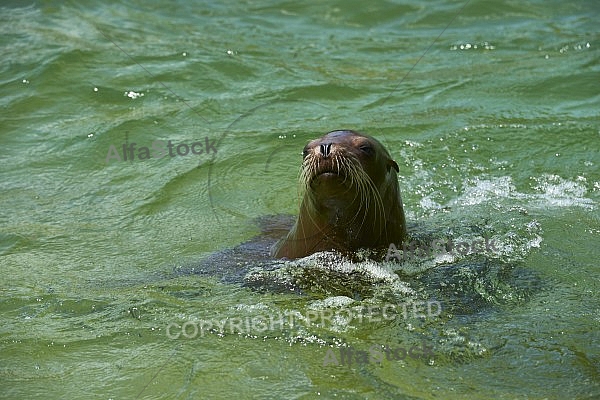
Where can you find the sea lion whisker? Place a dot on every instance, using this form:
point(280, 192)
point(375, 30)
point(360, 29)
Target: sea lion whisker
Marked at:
point(367, 189)
point(361, 181)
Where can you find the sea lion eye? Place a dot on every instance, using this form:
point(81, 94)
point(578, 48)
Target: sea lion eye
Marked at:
point(367, 149)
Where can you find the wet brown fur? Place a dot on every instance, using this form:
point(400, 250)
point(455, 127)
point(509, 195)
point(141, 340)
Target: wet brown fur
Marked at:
point(351, 198)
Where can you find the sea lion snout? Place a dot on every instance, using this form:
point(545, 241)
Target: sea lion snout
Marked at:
point(325, 149)
point(320, 150)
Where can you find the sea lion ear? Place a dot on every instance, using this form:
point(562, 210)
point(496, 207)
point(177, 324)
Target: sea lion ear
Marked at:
point(392, 164)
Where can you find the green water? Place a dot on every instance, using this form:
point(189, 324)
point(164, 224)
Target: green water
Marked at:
point(497, 126)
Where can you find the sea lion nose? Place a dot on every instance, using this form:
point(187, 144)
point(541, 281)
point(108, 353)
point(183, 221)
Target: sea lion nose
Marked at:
point(325, 149)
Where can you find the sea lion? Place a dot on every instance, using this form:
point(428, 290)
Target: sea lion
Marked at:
point(351, 198)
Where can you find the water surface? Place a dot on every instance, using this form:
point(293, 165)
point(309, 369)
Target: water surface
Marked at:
point(490, 110)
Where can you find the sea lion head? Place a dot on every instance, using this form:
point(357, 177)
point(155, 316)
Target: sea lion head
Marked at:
point(345, 170)
point(351, 197)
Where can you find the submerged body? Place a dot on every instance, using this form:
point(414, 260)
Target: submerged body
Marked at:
point(351, 198)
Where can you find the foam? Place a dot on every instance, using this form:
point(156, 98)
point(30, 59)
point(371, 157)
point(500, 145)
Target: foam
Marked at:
point(550, 191)
point(332, 274)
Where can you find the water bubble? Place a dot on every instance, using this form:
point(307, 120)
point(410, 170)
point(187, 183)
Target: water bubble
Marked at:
point(133, 95)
